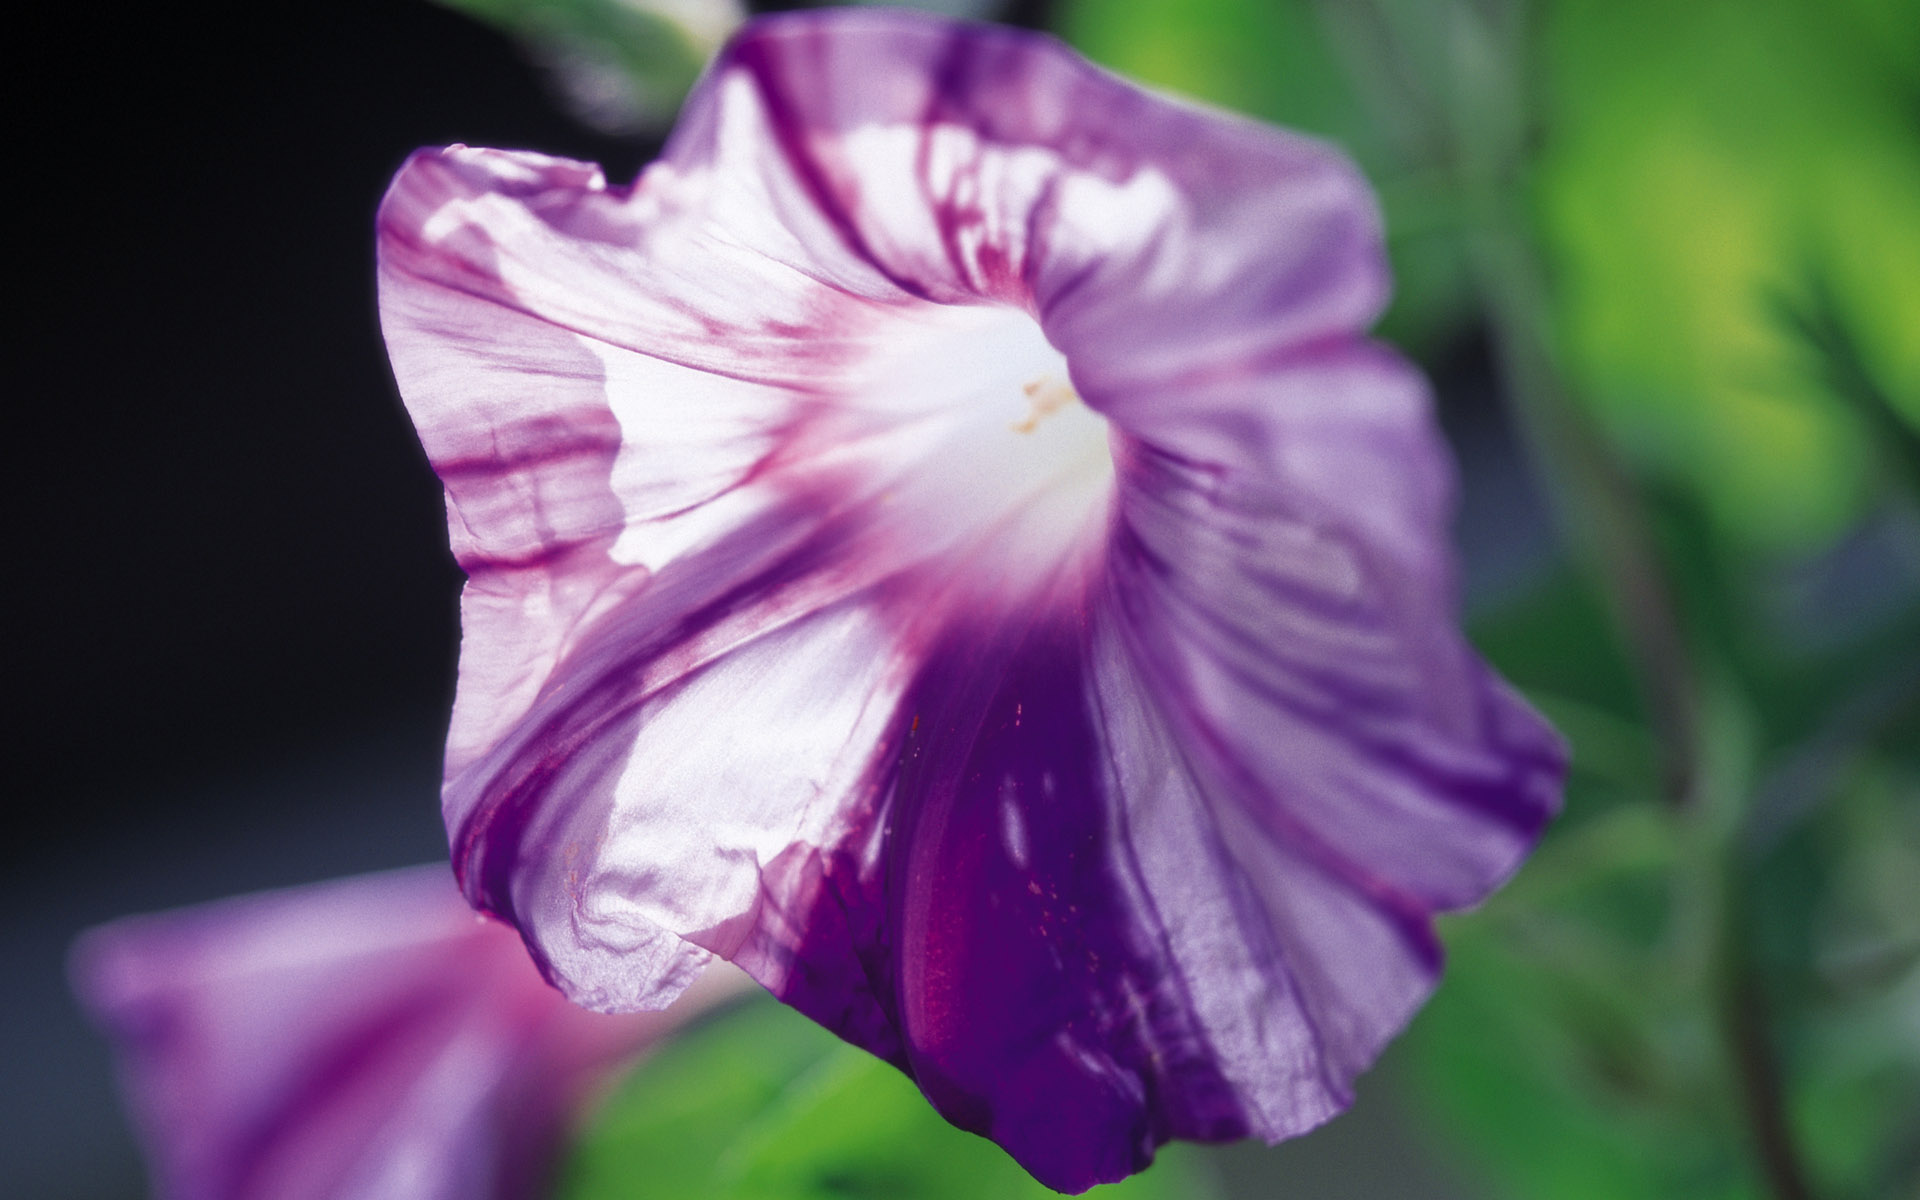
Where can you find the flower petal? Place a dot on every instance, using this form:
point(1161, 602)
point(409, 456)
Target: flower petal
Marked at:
point(363, 1038)
point(1113, 804)
point(1354, 766)
point(1300, 621)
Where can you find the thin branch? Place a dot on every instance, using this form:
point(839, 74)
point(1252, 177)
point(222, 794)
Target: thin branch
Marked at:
point(1745, 1024)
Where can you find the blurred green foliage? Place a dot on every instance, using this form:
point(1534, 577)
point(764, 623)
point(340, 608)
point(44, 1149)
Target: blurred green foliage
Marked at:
point(1704, 164)
point(762, 1104)
point(622, 65)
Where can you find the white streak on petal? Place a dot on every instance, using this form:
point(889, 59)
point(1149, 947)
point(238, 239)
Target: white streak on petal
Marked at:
point(750, 757)
point(1013, 826)
point(687, 441)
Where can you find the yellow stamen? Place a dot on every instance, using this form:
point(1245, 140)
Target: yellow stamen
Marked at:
point(1047, 395)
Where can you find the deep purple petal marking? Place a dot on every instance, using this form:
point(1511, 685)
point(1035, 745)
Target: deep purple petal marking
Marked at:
point(1035, 1009)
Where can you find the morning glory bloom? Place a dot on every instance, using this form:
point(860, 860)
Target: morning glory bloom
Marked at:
point(942, 540)
point(363, 1039)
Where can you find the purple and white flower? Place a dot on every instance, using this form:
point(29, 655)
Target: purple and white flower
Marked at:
point(362, 1039)
point(942, 540)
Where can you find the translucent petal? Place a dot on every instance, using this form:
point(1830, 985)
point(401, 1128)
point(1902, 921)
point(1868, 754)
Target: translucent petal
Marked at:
point(365, 1038)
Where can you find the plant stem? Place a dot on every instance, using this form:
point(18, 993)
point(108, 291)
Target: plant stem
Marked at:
point(1599, 506)
point(1744, 1021)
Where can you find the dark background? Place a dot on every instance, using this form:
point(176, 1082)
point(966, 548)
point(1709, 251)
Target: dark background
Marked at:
point(231, 613)
point(231, 618)
point(229, 538)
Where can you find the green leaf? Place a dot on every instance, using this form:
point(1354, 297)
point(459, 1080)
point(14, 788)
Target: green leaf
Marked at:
point(668, 1124)
point(1565, 1060)
point(1558, 1092)
point(761, 1104)
point(1557, 638)
point(1263, 58)
point(1836, 915)
point(623, 65)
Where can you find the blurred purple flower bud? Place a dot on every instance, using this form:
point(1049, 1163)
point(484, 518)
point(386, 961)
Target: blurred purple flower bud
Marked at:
point(363, 1039)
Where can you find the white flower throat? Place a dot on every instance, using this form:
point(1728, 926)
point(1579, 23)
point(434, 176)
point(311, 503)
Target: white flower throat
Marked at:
point(1048, 395)
point(991, 443)
point(958, 426)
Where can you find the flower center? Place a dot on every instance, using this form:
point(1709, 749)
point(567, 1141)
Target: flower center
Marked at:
point(991, 454)
point(1047, 395)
